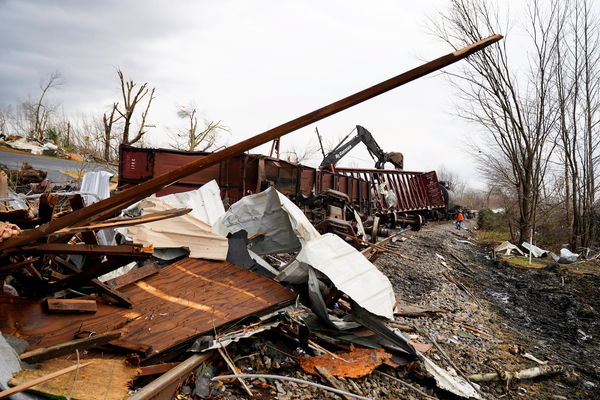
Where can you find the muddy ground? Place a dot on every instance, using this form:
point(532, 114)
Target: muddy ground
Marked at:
point(551, 313)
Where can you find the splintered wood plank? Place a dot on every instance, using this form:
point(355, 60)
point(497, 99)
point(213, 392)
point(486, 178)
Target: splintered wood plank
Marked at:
point(178, 304)
point(133, 276)
point(61, 349)
point(71, 306)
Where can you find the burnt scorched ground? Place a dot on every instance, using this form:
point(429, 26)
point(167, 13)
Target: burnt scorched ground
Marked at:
point(505, 312)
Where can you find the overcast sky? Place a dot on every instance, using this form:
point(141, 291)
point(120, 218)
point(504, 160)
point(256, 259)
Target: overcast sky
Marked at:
point(251, 64)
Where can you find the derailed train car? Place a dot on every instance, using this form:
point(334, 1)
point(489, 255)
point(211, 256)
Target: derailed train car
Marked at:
point(324, 195)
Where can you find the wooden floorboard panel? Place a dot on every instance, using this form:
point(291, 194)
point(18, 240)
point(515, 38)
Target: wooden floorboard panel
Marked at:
point(181, 302)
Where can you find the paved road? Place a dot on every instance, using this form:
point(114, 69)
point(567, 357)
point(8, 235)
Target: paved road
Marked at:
point(51, 165)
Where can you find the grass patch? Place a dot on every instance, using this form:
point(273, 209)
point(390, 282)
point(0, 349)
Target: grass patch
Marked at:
point(523, 262)
point(491, 237)
point(586, 267)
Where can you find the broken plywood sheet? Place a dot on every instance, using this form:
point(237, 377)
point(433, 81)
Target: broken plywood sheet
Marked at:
point(349, 271)
point(104, 379)
point(184, 231)
point(287, 228)
point(183, 301)
point(205, 202)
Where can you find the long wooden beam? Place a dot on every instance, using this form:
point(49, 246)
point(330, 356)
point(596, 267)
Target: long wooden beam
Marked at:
point(145, 189)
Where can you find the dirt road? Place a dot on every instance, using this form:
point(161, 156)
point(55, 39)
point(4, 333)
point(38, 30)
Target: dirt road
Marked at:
point(500, 313)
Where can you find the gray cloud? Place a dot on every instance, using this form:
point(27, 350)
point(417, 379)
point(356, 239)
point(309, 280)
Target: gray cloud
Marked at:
point(252, 65)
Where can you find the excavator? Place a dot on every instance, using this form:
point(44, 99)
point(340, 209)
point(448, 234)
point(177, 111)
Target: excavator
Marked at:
point(363, 135)
point(338, 214)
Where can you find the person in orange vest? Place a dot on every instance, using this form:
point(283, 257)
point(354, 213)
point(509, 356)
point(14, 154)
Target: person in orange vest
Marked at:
point(459, 219)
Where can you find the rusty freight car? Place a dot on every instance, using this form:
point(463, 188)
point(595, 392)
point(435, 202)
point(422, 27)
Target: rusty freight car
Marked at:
point(370, 191)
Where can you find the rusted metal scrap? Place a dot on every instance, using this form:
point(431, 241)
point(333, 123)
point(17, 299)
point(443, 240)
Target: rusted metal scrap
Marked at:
point(355, 364)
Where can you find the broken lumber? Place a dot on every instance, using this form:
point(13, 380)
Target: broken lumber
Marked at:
point(17, 265)
point(156, 369)
point(46, 206)
point(120, 222)
point(122, 250)
point(71, 306)
point(129, 346)
point(529, 373)
point(170, 379)
point(62, 349)
point(133, 276)
point(121, 345)
point(27, 385)
point(129, 196)
point(120, 298)
point(87, 275)
point(402, 327)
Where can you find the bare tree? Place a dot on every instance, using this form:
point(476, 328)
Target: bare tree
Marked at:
point(193, 137)
point(6, 115)
point(297, 154)
point(517, 111)
point(452, 179)
point(108, 121)
point(578, 93)
point(133, 97)
point(39, 111)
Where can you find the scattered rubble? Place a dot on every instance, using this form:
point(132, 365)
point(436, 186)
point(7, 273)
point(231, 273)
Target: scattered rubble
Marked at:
point(135, 296)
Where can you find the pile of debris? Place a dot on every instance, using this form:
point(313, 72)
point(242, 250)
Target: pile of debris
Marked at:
point(39, 148)
point(103, 295)
point(178, 275)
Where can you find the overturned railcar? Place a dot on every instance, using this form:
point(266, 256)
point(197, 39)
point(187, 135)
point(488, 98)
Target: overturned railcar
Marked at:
point(370, 191)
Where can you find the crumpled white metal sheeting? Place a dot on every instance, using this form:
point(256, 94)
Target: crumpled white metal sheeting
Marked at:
point(205, 202)
point(351, 273)
point(285, 225)
point(535, 251)
point(184, 231)
point(287, 230)
point(507, 248)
